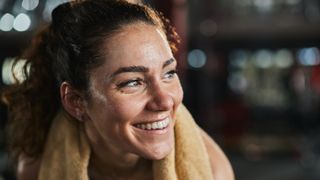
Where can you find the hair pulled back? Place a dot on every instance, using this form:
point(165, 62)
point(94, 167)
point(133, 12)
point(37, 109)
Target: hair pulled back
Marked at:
point(66, 50)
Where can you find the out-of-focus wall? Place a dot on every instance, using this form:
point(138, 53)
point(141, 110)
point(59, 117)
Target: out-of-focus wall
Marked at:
point(253, 83)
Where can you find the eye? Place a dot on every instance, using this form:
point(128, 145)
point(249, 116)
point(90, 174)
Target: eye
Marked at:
point(131, 86)
point(171, 74)
point(130, 83)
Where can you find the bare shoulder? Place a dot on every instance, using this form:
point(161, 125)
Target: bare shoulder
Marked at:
point(28, 168)
point(220, 165)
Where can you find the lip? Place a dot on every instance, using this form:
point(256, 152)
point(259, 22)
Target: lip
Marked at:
point(154, 131)
point(150, 121)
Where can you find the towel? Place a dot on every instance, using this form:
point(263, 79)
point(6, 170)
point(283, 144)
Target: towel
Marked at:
point(67, 152)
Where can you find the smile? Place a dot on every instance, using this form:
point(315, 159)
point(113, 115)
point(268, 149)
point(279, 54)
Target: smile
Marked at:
point(155, 125)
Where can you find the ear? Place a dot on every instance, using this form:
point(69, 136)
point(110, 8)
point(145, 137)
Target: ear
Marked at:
point(72, 101)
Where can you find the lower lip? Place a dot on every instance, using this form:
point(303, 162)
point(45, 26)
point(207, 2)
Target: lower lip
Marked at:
point(156, 131)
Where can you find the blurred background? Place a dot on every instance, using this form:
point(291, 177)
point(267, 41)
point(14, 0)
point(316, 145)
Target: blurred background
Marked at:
point(250, 71)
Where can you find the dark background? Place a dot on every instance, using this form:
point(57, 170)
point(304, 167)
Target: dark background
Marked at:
point(250, 71)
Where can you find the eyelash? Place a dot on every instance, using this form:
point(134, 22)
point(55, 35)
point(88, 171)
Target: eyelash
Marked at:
point(126, 83)
point(172, 73)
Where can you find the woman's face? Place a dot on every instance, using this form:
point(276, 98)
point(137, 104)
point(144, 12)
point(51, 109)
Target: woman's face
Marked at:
point(135, 93)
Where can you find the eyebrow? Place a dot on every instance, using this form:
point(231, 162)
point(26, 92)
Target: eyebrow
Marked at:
point(168, 62)
point(139, 68)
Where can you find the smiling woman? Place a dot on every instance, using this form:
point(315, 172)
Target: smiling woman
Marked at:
point(133, 93)
point(102, 100)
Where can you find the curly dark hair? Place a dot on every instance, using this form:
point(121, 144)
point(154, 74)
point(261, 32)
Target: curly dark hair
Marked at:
point(67, 49)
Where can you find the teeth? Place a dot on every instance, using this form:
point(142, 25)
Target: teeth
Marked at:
point(155, 125)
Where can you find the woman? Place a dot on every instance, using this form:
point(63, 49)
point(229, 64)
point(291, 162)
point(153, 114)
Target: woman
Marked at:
point(102, 100)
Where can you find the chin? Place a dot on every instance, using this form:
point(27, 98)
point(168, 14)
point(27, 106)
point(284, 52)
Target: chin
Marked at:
point(157, 148)
point(159, 153)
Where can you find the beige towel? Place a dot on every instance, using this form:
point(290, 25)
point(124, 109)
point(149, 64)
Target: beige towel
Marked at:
point(67, 152)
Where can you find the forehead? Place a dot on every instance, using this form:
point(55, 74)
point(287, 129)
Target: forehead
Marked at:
point(136, 44)
point(137, 31)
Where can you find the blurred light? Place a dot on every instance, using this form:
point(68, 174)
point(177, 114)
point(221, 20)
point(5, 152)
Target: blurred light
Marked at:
point(293, 2)
point(7, 75)
point(263, 5)
point(263, 59)
point(30, 4)
point(283, 58)
point(208, 27)
point(299, 80)
point(6, 22)
point(238, 58)
point(49, 6)
point(243, 3)
point(237, 82)
point(197, 58)
point(309, 56)
point(22, 22)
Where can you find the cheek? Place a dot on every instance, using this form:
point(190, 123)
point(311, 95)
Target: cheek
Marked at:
point(126, 108)
point(177, 93)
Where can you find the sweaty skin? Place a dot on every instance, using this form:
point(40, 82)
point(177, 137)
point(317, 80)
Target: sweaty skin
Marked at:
point(136, 86)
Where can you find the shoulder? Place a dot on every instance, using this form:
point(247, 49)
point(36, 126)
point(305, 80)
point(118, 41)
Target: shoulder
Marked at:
point(28, 168)
point(220, 165)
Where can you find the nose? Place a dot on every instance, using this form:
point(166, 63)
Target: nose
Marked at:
point(160, 98)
